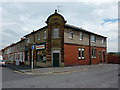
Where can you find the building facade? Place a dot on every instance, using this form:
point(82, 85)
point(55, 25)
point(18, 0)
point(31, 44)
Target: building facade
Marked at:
point(58, 44)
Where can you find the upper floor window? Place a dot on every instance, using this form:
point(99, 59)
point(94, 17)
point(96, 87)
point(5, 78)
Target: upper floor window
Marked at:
point(103, 40)
point(55, 32)
point(93, 53)
point(81, 36)
point(28, 40)
point(81, 53)
point(44, 34)
point(93, 38)
point(71, 35)
point(38, 36)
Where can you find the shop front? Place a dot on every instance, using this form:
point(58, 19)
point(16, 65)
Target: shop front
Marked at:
point(41, 54)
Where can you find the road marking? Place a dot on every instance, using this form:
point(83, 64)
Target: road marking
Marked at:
point(40, 73)
point(18, 72)
point(56, 73)
point(52, 73)
point(70, 71)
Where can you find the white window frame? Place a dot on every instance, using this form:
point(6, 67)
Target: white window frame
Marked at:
point(80, 50)
point(38, 36)
point(55, 33)
point(44, 34)
point(103, 40)
point(71, 35)
point(94, 53)
point(28, 40)
point(81, 36)
point(93, 38)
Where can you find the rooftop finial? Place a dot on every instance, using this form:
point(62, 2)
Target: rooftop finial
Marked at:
point(55, 10)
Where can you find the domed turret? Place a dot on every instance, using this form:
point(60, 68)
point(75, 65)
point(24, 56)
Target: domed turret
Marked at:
point(55, 19)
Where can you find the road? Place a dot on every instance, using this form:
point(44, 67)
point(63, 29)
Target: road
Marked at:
point(101, 76)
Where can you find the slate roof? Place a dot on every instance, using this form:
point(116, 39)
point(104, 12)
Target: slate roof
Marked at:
point(81, 29)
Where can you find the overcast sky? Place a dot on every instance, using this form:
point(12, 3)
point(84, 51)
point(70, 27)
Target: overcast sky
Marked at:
point(21, 18)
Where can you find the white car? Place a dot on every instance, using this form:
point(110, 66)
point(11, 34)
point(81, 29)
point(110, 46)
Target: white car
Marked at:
point(2, 63)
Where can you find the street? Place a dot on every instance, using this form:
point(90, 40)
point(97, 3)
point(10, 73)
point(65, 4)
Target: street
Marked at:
point(101, 76)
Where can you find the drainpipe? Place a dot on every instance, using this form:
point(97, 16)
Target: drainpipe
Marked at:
point(90, 62)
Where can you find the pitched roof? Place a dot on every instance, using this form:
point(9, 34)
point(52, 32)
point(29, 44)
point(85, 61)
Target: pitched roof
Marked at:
point(81, 29)
point(35, 31)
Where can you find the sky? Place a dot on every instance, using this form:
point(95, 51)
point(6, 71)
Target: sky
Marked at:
point(21, 18)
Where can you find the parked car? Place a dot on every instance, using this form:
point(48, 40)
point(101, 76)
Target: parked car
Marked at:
point(2, 63)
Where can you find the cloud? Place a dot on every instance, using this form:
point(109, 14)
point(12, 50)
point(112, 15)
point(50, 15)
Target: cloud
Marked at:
point(22, 18)
point(85, 1)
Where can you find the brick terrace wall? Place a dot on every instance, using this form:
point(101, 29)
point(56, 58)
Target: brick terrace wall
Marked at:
point(71, 55)
point(97, 60)
point(113, 58)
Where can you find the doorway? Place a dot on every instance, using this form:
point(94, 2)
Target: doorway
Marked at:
point(100, 57)
point(56, 59)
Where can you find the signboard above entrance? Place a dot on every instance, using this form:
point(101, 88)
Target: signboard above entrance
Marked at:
point(40, 46)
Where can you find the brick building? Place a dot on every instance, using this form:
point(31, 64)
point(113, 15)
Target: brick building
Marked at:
point(58, 44)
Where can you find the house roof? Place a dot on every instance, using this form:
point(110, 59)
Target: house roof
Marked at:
point(35, 31)
point(68, 26)
point(81, 29)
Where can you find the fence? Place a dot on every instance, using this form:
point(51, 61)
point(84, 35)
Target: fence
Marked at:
point(111, 58)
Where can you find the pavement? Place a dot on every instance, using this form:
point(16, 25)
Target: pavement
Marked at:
point(50, 70)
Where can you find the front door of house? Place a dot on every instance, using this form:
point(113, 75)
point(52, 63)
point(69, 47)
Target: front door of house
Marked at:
point(55, 59)
point(100, 57)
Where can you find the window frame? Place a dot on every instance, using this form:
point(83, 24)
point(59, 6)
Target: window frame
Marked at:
point(93, 40)
point(81, 35)
point(54, 33)
point(28, 40)
point(103, 40)
point(44, 34)
point(81, 53)
point(94, 53)
point(39, 36)
point(71, 35)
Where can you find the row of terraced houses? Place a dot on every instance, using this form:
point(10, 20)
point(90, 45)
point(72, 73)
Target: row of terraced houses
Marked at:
point(58, 44)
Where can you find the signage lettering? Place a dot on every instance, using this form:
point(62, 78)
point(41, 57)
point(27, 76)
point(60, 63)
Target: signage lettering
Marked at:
point(40, 46)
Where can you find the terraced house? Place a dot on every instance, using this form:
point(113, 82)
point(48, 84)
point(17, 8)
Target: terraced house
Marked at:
point(58, 44)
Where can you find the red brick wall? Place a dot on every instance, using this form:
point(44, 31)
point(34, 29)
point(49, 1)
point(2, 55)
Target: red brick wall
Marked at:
point(113, 58)
point(71, 55)
point(97, 60)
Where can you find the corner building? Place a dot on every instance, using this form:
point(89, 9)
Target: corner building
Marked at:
point(60, 44)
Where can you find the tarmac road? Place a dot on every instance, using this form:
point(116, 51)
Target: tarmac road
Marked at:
point(102, 76)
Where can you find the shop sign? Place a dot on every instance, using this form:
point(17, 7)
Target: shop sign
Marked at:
point(40, 46)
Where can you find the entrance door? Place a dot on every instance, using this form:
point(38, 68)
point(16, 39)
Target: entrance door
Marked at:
point(103, 56)
point(55, 59)
point(26, 55)
point(100, 57)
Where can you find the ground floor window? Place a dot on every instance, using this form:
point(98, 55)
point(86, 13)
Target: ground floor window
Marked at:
point(93, 52)
point(81, 53)
point(21, 56)
point(41, 56)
